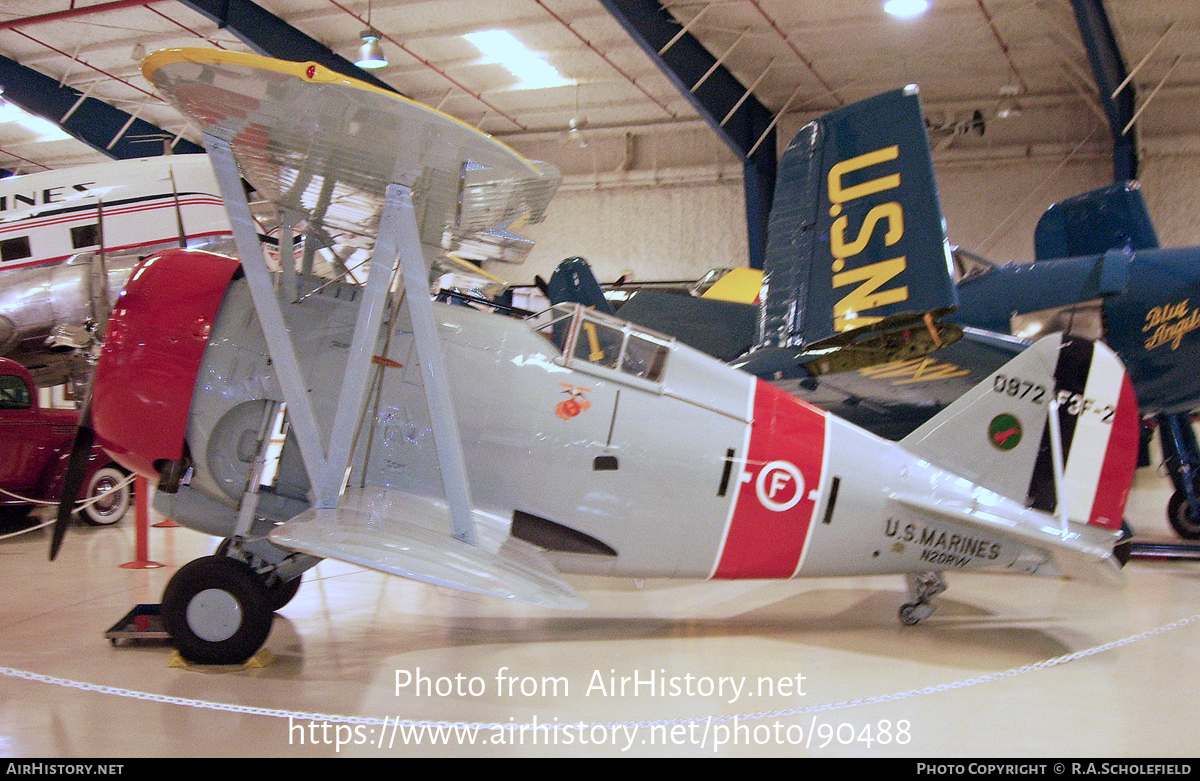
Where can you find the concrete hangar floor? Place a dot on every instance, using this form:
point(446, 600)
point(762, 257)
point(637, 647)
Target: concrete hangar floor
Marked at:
point(1008, 666)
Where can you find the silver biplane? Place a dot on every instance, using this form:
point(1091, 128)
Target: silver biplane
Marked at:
point(488, 453)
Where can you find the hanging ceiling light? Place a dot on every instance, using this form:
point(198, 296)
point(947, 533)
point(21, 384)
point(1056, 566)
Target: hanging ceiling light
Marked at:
point(370, 54)
point(906, 8)
point(1009, 105)
point(575, 132)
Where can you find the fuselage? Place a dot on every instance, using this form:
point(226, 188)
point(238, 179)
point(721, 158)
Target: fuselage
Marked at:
point(670, 462)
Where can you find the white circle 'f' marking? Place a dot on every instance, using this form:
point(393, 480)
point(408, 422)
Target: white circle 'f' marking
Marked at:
point(779, 478)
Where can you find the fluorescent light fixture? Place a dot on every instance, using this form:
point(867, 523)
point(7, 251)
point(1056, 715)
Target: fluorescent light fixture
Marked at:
point(43, 128)
point(906, 8)
point(532, 72)
point(370, 54)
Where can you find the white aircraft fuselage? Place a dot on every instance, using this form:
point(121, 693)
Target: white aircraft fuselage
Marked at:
point(621, 451)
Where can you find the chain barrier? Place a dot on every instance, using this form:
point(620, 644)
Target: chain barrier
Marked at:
point(717, 719)
point(79, 506)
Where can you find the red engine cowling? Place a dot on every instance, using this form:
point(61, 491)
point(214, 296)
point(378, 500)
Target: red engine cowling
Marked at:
point(153, 347)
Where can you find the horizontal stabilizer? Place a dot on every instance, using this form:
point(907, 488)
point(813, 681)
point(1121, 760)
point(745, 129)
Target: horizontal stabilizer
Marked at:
point(896, 338)
point(891, 400)
point(1083, 551)
point(408, 535)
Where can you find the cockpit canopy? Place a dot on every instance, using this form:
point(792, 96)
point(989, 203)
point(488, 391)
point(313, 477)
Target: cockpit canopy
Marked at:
point(590, 340)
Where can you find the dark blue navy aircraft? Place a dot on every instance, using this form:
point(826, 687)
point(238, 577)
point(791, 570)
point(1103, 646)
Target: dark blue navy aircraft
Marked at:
point(857, 307)
point(1098, 265)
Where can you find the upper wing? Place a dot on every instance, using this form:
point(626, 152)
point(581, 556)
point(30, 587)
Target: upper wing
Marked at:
point(325, 146)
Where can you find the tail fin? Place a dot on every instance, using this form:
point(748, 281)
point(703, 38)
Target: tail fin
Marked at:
point(1112, 217)
point(856, 232)
point(574, 281)
point(1000, 434)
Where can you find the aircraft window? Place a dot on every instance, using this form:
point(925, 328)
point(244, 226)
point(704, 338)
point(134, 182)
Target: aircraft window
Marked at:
point(644, 358)
point(588, 337)
point(599, 344)
point(557, 327)
point(14, 393)
point(15, 248)
point(85, 236)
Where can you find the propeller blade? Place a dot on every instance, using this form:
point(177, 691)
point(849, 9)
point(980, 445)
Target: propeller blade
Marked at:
point(73, 478)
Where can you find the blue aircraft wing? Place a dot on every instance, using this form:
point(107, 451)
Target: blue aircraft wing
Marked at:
point(893, 399)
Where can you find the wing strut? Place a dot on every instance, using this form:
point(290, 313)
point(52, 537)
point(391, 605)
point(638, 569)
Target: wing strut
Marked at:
point(397, 243)
point(437, 386)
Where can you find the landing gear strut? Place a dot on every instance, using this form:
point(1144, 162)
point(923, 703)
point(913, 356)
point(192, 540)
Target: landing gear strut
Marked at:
point(1182, 456)
point(922, 587)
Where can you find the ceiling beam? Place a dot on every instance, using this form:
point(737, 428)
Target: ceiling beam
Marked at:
point(749, 131)
point(271, 36)
point(1108, 68)
point(74, 12)
point(105, 128)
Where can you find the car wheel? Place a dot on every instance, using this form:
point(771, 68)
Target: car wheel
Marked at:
point(113, 503)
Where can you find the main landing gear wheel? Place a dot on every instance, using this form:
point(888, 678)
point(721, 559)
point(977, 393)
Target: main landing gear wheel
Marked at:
point(282, 592)
point(922, 587)
point(218, 611)
point(279, 593)
point(114, 502)
point(1179, 513)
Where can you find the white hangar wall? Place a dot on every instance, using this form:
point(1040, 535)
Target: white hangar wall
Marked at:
point(678, 231)
point(1171, 187)
point(648, 232)
point(992, 207)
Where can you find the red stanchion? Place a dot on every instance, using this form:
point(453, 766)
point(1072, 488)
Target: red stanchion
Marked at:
point(141, 493)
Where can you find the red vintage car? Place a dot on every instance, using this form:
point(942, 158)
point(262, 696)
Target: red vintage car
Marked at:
point(35, 445)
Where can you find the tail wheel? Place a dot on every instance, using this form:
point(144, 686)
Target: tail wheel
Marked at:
point(113, 503)
point(1179, 513)
point(217, 610)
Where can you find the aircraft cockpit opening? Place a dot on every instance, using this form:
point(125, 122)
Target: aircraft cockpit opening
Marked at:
point(591, 340)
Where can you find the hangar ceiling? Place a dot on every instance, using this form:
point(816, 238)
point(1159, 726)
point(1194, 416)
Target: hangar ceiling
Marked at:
point(999, 77)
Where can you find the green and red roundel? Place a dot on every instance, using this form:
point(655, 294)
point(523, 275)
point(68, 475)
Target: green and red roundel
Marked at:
point(1004, 432)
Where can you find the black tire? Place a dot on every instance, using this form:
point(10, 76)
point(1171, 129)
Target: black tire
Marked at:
point(14, 517)
point(116, 502)
point(281, 593)
point(1179, 514)
point(217, 610)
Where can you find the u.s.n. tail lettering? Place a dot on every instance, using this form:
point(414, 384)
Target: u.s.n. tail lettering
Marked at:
point(869, 279)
